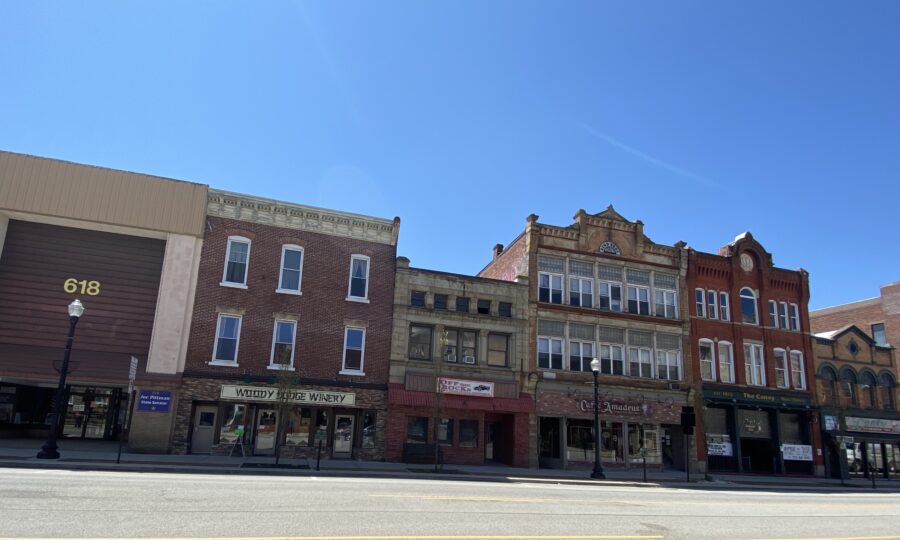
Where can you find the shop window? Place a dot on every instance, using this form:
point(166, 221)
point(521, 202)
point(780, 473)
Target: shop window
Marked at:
point(612, 447)
point(291, 269)
point(581, 292)
point(354, 350)
point(358, 289)
point(644, 436)
point(612, 360)
point(707, 360)
point(550, 353)
point(580, 440)
point(234, 422)
point(468, 433)
point(754, 367)
point(417, 299)
point(498, 350)
point(445, 431)
point(228, 333)
point(321, 433)
point(550, 288)
point(639, 363)
point(462, 304)
point(505, 309)
point(237, 258)
point(749, 313)
point(420, 342)
point(580, 356)
point(416, 429)
point(798, 373)
point(368, 429)
point(440, 301)
point(726, 362)
point(297, 426)
point(755, 424)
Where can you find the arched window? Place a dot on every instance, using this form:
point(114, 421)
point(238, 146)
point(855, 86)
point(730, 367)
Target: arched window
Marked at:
point(867, 389)
point(749, 311)
point(848, 387)
point(886, 389)
point(827, 385)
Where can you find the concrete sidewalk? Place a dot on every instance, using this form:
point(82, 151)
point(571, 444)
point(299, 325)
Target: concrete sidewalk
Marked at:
point(98, 455)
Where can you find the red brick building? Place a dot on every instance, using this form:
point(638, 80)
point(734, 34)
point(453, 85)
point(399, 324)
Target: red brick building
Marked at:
point(291, 332)
point(753, 360)
point(879, 316)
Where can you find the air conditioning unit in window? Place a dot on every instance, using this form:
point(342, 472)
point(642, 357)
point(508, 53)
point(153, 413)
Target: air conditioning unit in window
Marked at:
point(674, 386)
point(469, 359)
point(451, 357)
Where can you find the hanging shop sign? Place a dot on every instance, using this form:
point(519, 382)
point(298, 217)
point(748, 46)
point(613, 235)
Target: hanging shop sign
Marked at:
point(154, 401)
point(796, 452)
point(308, 397)
point(872, 425)
point(465, 388)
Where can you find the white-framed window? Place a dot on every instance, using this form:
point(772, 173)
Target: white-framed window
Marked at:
point(640, 362)
point(358, 289)
point(724, 311)
point(580, 355)
point(638, 300)
point(668, 365)
point(798, 375)
point(237, 261)
point(283, 338)
point(749, 309)
point(700, 299)
point(291, 269)
point(773, 313)
point(754, 364)
point(795, 317)
point(354, 350)
point(707, 360)
point(611, 295)
point(781, 369)
point(726, 362)
point(462, 344)
point(665, 304)
point(550, 353)
point(783, 316)
point(581, 292)
point(712, 301)
point(612, 359)
point(228, 337)
point(550, 288)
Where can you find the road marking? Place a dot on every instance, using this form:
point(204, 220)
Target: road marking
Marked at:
point(416, 537)
point(838, 538)
point(472, 498)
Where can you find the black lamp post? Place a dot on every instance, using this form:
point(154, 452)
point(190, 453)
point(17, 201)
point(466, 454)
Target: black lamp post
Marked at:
point(598, 469)
point(49, 451)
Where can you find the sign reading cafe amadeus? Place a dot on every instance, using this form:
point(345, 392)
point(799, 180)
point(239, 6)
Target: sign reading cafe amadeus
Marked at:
point(262, 393)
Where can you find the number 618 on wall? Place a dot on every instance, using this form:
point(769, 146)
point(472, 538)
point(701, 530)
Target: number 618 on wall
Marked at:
point(90, 288)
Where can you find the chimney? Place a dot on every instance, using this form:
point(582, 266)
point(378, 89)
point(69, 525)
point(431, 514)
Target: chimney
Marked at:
point(498, 249)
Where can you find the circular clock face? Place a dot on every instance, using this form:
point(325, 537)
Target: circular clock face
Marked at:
point(746, 262)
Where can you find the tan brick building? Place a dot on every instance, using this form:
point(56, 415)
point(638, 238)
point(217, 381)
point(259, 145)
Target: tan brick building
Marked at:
point(293, 305)
point(458, 369)
point(601, 288)
point(879, 317)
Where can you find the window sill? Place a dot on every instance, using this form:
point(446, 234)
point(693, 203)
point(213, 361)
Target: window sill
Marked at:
point(222, 363)
point(288, 291)
point(233, 285)
point(280, 368)
point(357, 299)
point(353, 373)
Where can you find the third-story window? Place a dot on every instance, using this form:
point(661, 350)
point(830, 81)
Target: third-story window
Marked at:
point(754, 366)
point(700, 300)
point(795, 317)
point(484, 307)
point(707, 360)
point(505, 309)
point(462, 304)
point(581, 292)
point(638, 300)
point(783, 315)
point(781, 369)
point(283, 344)
point(440, 301)
point(417, 299)
point(580, 355)
point(498, 350)
point(878, 334)
point(665, 304)
point(610, 296)
point(354, 349)
point(420, 342)
point(237, 258)
point(291, 269)
point(773, 313)
point(713, 304)
point(749, 313)
point(798, 374)
point(550, 288)
point(359, 278)
point(724, 313)
point(550, 353)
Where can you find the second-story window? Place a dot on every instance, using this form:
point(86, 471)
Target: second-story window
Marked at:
point(754, 366)
point(581, 292)
point(420, 343)
point(283, 338)
point(726, 362)
point(668, 365)
point(798, 374)
point(580, 355)
point(498, 350)
point(878, 334)
point(237, 259)
point(417, 299)
point(612, 359)
point(749, 313)
point(354, 349)
point(291, 269)
point(724, 312)
point(359, 278)
point(462, 344)
point(638, 300)
point(228, 334)
point(707, 360)
point(781, 369)
point(550, 353)
point(550, 288)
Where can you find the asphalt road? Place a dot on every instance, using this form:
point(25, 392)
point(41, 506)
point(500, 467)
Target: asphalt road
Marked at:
point(82, 504)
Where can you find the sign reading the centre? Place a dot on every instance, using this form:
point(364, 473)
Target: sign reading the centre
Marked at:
point(308, 397)
point(465, 388)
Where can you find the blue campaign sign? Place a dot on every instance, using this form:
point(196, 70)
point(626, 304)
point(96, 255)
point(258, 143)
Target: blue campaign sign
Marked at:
point(154, 401)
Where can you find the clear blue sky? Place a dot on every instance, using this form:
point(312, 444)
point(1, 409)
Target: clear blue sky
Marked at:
point(703, 119)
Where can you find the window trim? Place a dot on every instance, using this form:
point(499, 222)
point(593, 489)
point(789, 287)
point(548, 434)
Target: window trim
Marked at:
point(362, 353)
point(640, 349)
point(762, 364)
point(562, 350)
point(637, 296)
point(214, 361)
point(272, 364)
point(281, 289)
point(409, 355)
point(714, 364)
point(581, 294)
point(610, 285)
point(724, 307)
point(712, 308)
point(802, 370)
point(700, 305)
point(350, 297)
point(562, 288)
point(581, 342)
point(730, 346)
point(234, 284)
point(755, 299)
point(786, 369)
point(795, 317)
point(783, 318)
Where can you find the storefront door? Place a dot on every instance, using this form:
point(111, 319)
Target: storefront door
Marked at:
point(88, 412)
point(492, 437)
point(550, 443)
point(343, 435)
point(204, 429)
point(266, 425)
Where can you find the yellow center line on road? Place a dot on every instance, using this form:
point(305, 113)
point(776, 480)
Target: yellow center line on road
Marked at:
point(474, 498)
point(416, 537)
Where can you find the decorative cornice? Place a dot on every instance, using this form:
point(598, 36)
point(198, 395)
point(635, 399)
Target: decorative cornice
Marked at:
point(242, 207)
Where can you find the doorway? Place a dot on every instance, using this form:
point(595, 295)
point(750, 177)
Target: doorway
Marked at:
point(493, 448)
point(266, 426)
point(204, 429)
point(550, 445)
point(90, 413)
point(343, 436)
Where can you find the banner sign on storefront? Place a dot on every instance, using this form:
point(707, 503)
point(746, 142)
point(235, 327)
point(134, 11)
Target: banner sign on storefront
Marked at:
point(872, 425)
point(719, 449)
point(263, 393)
point(831, 422)
point(465, 388)
point(154, 401)
point(797, 452)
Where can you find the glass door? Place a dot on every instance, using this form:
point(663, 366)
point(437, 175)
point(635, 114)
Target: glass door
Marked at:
point(343, 435)
point(266, 425)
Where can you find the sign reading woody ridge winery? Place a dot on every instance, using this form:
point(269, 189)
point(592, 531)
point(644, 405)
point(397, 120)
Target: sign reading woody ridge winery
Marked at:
point(262, 393)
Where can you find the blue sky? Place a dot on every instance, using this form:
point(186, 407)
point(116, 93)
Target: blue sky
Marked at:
point(702, 119)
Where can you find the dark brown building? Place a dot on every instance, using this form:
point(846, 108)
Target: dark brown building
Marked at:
point(290, 343)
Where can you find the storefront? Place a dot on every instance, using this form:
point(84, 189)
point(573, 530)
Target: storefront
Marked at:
point(225, 418)
point(627, 424)
point(759, 432)
point(92, 412)
point(859, 446)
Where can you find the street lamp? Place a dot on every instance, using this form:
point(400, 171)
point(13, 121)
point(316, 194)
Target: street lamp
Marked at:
point(598, 469)
point(49, 451)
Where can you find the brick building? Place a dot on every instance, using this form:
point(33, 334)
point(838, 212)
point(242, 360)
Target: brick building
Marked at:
point(127, 246)
point(856, 384)
point(292, 320)
point(879, 316)
point(752, 356)
point(457, 369)
point(601, 288)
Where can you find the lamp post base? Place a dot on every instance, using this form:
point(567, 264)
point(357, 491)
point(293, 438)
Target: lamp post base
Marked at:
point(48, 452)
point(598, 474)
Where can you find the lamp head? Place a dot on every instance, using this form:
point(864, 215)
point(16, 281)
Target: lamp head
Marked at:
point(595, 365)
point(76, 308)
